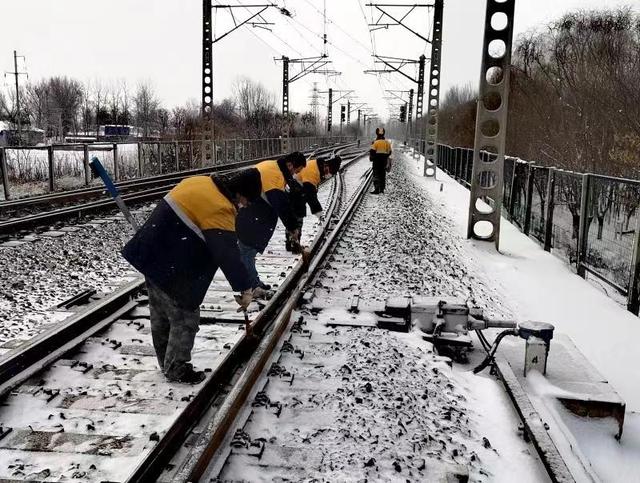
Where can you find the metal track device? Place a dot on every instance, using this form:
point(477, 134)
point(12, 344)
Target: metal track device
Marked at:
point(431, 153)
point(491, 123)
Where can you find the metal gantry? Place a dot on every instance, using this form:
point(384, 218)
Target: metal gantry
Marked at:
point(395, 65)
point(485, 203)
point(309, 65)
point(208, 153)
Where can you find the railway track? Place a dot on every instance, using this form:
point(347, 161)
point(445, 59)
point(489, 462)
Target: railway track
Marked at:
point(34, 212)
point(85, 401)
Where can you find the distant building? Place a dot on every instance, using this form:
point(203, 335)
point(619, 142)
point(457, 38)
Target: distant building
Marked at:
point(31, 136)
point(114, 133)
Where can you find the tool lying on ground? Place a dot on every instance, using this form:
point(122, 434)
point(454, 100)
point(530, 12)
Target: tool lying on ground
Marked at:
point(99, 170)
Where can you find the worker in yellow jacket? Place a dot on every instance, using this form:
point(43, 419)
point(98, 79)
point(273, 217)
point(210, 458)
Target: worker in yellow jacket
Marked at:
point(188, 236)
point(309, 179)
point(257, 222)
point(380, 154)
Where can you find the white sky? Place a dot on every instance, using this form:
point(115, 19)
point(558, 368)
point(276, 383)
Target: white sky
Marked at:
point(160, 40)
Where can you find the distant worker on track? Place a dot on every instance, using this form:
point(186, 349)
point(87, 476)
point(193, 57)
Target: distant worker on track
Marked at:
point(309, 179)
point(257, 222)
point(379, 154)
point(187, 237)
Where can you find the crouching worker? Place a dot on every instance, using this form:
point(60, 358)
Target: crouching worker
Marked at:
point(189, 235)
point(379, 154)
point(309, 179)
point(257, 222)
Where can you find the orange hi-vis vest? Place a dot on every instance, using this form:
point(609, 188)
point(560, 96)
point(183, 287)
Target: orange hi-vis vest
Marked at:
point(271, 176)
point(310, 173)
point(381, 146)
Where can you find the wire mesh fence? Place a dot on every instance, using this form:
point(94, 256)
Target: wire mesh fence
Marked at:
point(32, 170)
point(590, 221)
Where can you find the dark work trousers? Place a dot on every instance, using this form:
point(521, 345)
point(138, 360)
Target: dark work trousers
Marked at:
point(248, 255)
point(299, 222)
point(379, 174)
point(173, 330)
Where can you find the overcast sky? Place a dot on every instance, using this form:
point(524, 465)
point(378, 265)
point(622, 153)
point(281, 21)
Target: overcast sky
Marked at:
point(160, 41)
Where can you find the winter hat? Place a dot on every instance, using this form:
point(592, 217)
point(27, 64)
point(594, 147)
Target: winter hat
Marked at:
point(245, 182)
point(296, 158)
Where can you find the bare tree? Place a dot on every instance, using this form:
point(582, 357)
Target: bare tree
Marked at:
point(257, 106)
point(99, 96)
point(145, 105)
point(125, 100)
point(114, 102)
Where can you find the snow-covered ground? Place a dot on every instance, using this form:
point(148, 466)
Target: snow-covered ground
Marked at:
point(362, 403)
point(43, 271)
point(535, 285)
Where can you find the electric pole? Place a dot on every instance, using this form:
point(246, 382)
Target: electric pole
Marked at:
point(331, 102)
point(17, 75)
point(255, 20)
point(315, 104)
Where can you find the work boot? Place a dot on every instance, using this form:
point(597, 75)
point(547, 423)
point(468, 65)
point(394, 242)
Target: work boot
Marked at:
point(375, 192)
point(263, 285)
point(189, 376)
point(260, 293)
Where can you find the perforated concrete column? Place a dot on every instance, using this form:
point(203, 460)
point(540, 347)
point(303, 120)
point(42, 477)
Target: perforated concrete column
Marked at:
point(491, 123)
point(431, 154)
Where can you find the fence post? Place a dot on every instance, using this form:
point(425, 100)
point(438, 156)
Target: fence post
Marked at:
point(160, 156)
point(583, 234)
point(140, 163)
point(115, 162)
point(633, 297)
point(50, 159)
point(551, 195)
point(5, 174)
point(176, 147)
point(226, 152)
point(87, 172)
point(512, 202)
point(190, 166)
point(528, 199)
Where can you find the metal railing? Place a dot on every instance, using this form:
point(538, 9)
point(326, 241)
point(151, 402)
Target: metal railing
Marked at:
point(589, 220)
point(28, 170)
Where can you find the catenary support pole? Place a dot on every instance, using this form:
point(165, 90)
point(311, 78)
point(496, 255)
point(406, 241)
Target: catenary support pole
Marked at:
point(491, 125)
point(431, 128)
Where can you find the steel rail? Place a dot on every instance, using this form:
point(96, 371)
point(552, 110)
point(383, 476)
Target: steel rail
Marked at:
point(154, 464)
point(20, 364)
point(44, 349)
point(12, 226)
point(134, 183)
point(208, 445)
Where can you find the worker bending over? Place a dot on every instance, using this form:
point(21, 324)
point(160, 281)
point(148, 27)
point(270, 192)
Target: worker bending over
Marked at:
point(379, 154)
point(309, 179)
point(257, 222)
point(188, 236)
